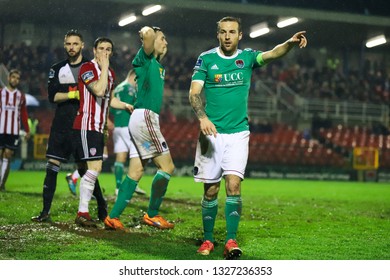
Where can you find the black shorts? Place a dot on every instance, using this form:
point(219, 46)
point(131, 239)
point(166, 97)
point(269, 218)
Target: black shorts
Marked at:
point(60, 145)
point(9, 141)
point(88, 145)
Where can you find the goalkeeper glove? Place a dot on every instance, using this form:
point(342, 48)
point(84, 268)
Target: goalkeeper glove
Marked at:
point(73, 93)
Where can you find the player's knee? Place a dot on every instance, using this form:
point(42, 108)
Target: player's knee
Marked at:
point(8, 154)
point(136, 172)
point(170, 168)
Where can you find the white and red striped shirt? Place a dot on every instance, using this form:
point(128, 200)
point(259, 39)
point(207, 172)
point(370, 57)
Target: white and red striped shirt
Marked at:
point(12, 110)
point(93, 110)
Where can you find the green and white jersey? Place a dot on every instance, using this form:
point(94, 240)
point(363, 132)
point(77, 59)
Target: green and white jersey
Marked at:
point(150, 80)
point(227, 80)
point(124, 92)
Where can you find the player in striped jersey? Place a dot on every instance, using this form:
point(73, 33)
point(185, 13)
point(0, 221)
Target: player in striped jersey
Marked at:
point(96, 85)
point(13, 110)
point(222, 150)
point(63, 91)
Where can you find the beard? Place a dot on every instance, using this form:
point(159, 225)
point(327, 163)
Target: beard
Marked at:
point(228, 50)
point(13, 85)
point(73, 54)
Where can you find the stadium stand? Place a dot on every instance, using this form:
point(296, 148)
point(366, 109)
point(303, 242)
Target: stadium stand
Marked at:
point(275, 90)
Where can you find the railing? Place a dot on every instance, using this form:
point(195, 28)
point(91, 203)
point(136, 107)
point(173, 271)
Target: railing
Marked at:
point(345, 112)
point(276, 102)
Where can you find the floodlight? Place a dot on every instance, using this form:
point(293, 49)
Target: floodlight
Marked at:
point(287, 21)
point(376, 41)
point(151, 9)
point(127, 20)
point(258, 30)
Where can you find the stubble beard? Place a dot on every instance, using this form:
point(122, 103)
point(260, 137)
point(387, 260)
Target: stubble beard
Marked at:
point(74, 57)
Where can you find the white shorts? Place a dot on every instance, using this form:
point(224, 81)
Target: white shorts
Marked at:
point(221, 155)
point(145, 133)
point(122, 141)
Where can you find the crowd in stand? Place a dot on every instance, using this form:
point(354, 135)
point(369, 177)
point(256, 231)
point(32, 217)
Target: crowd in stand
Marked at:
point(369, 83)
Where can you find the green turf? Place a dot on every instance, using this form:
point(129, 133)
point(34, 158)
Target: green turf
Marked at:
point(281, 220)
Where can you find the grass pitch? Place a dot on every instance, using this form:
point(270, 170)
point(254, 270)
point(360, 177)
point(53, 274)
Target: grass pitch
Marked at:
point(281, 220)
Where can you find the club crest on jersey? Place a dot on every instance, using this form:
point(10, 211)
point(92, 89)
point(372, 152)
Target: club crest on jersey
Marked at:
point(92, 151)
point(218, 78)
point(240, 63)
point(162, 73)
point(87, 76)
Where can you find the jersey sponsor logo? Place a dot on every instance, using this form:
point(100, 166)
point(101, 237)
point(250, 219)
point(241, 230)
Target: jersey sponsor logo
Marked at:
point(214, 67)
point(240, 63)
point(87, 76)
point(229, 77)
point(51, 73)
point(198, 63)
point(10, 107)
point(236, 76)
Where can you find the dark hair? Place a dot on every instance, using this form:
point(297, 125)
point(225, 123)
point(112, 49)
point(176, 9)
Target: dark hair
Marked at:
point(74, 32)
point(156, 28)
point(103, 40)
point(13, 71)
point(234, 19)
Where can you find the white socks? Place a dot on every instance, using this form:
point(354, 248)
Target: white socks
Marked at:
point(87, 185)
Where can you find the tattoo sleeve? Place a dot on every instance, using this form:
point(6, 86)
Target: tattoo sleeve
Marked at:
point(197, 105)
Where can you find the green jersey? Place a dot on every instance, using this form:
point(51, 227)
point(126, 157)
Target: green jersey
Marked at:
point(150, 80)
point(124, 92)
point(227, 80)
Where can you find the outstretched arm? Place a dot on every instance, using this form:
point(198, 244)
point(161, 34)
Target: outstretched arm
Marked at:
point(298, 39)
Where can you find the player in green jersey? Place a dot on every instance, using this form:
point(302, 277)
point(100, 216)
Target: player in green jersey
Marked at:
point(222, 150)
point(126, 91)
point(145, 132)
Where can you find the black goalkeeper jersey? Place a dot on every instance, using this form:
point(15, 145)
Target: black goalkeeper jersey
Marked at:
point(63, 75)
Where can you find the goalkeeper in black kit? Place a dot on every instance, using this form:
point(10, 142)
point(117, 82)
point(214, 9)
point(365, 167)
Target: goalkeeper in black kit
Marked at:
point(62, 90)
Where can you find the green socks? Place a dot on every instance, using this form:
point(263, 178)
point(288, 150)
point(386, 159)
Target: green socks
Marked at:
point(233, 208)
point(209, 213)
point(159, 188)
point(118, 170)
point(126, 191)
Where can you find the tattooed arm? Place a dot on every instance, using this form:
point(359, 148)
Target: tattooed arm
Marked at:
point(206, 126)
